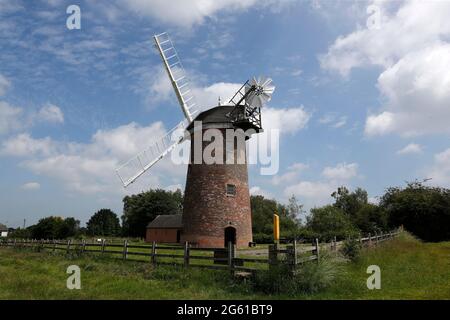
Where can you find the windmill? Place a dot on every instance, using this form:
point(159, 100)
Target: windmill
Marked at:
point(216, 206)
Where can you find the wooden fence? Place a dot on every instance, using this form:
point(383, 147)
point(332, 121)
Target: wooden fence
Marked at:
point(292, 254)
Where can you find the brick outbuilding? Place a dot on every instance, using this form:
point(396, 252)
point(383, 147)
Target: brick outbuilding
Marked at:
point(165, 229)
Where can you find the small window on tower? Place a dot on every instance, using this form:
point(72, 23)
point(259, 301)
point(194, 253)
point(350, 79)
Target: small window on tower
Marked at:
point(231, 190)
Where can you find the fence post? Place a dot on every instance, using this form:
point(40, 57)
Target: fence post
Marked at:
point(103, 245)
point(335, 243)
point(376, 237)
point(54, 245)
point(68, 245)
point(291, 257)
point(154, 252)
point(125, 249)
point(14, 242)
point(370, 240)
point(186, 254)
point(83, 246)
point(273, 255)
point(231, 256)
point(295, 253)
point(317, 249)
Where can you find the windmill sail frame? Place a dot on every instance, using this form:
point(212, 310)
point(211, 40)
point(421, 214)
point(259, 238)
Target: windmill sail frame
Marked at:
point(177, 74)
point(129, 171)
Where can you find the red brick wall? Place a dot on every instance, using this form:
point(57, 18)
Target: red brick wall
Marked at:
point(208, 210)
point(161, 235)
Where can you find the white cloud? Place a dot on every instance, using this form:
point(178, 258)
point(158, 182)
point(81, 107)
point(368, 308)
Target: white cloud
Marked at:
point(31, 186)
point(342, 121)
point(258, 191)
point(124, 141)
point(334, 120)
point(14, 118)
point(341, 171)
point(208, 97)
point(174, 187)
point(379, 124)
point(291, 175)
point(414, 52)
point(189, 13)
point(9, 118)
point(417, 89)
point(287, 120)
point(374, 200)
point(440, 171)
point(51, 113)
point(312, 193)
point(401, 32)
point(317, 193)
point(90, 168)
point(412, 148)
point(25, 145)
point(7, 6)
point(296, 73)
point(160, 86)
point(4, 85)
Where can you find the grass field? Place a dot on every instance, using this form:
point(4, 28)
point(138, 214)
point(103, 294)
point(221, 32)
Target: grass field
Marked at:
point(410, 269)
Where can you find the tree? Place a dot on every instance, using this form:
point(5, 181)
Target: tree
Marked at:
point(262, 217)
point(55, 228)
point(350, 202)
point(294, 209)
point(21, 233)
point(371, 218)
point(69, 228)
point(330, 221)
point(422, 210)
point(104, 223)
point(142, 208)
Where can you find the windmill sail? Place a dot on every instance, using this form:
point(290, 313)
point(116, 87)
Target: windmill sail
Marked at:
point(136, 166)
point(177, 75)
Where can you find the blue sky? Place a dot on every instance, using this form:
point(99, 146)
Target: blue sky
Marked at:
point(356, 104)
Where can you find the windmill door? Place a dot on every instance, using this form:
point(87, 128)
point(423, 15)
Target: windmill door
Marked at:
point(230, 235)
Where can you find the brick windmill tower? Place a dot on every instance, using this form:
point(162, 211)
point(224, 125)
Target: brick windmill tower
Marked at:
point(216, 200)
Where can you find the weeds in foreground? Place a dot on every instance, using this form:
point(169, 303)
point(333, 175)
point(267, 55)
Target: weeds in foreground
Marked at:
point(351, 249)
point(310, 277)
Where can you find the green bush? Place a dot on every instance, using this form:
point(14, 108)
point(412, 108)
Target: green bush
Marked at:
point(330, 221)
point(422, 210)
point(276, 280)
point(315, 276)
point(310, 277)
point(263, 238)
point(351, 249)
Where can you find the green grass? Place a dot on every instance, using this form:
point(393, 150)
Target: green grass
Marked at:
point(410, 269)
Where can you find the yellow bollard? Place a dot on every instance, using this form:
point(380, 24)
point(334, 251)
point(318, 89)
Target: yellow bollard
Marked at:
point(276, 228)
